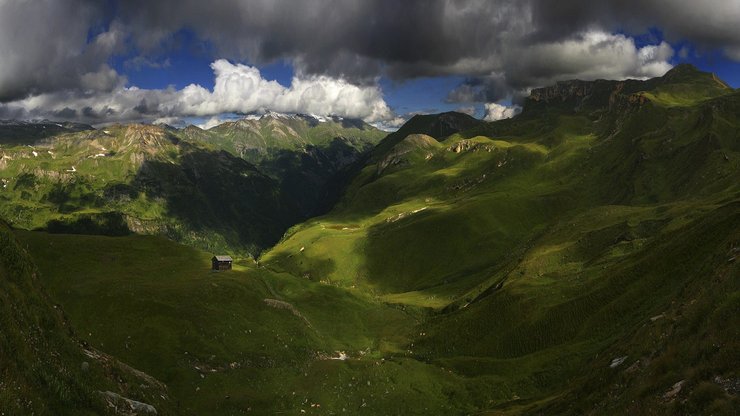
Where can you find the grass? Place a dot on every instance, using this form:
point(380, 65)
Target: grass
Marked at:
point(500, 270)
point(179, 184)
point(44, 368)
point(158, 307)
point(542, 244)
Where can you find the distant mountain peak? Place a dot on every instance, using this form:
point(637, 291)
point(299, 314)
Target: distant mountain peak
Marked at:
point(687, 73)
point(30, 131)
point(274, 118)
point(276, 115)
point(683, 69)
point(439, 125)
point(312, 119)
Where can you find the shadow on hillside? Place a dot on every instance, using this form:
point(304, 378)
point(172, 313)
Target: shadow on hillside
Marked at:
point(107, 223)
point(215, 192)
point(418, 252)
point(296, 264)
point(313, 180)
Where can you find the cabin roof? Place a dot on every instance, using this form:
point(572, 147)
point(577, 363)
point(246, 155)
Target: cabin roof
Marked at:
point(223, 258)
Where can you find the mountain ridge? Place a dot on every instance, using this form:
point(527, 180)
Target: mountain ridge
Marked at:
point(132, 177)
point(606, 94)
point(546, 240)
point(578, 258)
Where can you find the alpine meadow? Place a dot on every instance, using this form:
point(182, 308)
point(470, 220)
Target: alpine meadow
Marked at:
point(369, 208)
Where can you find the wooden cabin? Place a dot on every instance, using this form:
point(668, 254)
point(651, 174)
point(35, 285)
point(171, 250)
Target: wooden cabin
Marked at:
point(221, 262)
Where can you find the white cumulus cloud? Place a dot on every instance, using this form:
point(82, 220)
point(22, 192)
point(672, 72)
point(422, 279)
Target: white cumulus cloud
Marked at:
point(589, 55)
point(241, 88)
point(496, 111)
point(211, 122)
point(238, 89)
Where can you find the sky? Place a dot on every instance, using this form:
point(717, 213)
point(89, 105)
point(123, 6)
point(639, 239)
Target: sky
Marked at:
point(192, 61)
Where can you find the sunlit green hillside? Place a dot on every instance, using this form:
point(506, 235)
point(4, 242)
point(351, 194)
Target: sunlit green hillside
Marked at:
point(580, 258)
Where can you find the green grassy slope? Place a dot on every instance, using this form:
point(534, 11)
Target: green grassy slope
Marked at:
point(257, 139)
point(190, 185)
point(44, 369)
point(222, 349)
point(438, 126)
point(142, 179)
point(547, 240)
point(580, 258)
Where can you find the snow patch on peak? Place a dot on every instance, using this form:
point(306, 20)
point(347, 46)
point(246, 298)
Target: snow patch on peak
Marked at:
point(277, 116)
point(320, 119)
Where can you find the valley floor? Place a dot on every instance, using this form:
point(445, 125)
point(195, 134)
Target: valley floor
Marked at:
point(254, 339)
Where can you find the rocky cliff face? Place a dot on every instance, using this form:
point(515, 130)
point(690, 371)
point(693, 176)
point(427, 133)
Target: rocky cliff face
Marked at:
point(589, 95)
point(563, 91)
point(680, 85)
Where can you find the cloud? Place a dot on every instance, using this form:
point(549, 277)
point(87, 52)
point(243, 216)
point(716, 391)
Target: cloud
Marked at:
point(355, 40)
point(238, 89)
point(492, 87)
point(139, 62)
point(241, 88)
point(469, 110)
point(64, 48)
point(391, 124)
point(170, 121)
point(359, 40)
point(212, 122)
point(496, 112)
point(589, 55)
point(707, 24)
point(44, 46)
point(734, 53)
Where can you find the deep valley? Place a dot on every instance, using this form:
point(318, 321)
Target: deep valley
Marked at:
point(578, 258)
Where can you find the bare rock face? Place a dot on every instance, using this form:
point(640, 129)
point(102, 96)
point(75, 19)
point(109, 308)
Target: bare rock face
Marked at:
point(124, 406)
point(620, 96)
point(590, 95)
point(563, 91)
point(151, 139)
point(468, 145)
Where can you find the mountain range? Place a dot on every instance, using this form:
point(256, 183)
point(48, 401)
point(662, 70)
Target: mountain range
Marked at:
point(238, 185)
point(579, 258)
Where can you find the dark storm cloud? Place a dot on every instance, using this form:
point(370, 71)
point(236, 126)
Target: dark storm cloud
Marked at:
point(481, 89)
point(503, 47)
point(359, 39)
point(708, 23)
point(353, 39)
point(44, 46)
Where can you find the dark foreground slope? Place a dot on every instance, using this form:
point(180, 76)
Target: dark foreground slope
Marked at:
point(44, 370)
point(246, 341)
